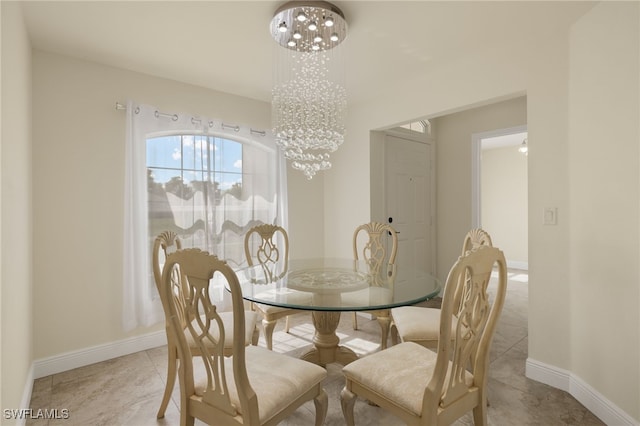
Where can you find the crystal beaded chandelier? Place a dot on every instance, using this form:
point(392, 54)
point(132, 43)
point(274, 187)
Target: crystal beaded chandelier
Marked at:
point(309, 99)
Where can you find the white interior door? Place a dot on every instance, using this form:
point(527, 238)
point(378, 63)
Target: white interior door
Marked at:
point(409, 201)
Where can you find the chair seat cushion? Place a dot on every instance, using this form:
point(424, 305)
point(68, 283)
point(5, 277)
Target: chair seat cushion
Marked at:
point(399, 374)
point(277, 379)
point(250, 319)
point(420, 325)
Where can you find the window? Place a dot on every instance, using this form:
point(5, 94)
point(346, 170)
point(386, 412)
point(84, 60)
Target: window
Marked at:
point(207, 182)
point(189, 177)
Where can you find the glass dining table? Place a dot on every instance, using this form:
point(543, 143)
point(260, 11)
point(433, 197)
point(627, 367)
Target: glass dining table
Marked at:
point(329, 286)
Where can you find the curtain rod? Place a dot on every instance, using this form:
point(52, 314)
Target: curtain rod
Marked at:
point(174, 117)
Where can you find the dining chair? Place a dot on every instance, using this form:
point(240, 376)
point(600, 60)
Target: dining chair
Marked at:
point(267, 245)
point(423, 387)
point(253, 386)
point(165, 243)
point(421, 325)
point(377, 244)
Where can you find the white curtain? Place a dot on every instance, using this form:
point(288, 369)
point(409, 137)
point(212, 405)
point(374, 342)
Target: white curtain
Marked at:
point(216, 223)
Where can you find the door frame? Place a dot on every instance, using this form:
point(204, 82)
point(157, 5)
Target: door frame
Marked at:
point(476, 167)
point(378, 172)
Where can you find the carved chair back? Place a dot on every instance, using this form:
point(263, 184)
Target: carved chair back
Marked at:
point(474, 238)
point(207, 331)
point(467, 343)
point(268, 246)
point(165, 243)
point(379, 249)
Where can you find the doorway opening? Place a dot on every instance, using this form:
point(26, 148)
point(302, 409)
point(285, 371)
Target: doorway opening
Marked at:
point(500, 190)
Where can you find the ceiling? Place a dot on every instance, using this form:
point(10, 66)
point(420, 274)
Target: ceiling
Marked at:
point(226, 46)
point(502, 141)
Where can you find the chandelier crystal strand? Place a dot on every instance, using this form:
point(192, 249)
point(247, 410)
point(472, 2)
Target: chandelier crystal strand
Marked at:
point(309, 98)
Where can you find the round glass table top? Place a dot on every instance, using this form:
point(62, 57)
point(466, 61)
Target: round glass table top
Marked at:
point(332, 284)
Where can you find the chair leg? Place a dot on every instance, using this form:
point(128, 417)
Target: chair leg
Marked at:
point(322, 405)
point(480, 412)
point(286, 324)
point(355, 321)
point(384, 322)
point(172, 362)
point(255, 337)
point(186, 418)
point(268, 326)
point(395, 337)
point(347, 401)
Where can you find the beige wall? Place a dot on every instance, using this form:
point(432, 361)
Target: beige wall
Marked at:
point(306, 226)
point(604, 185)
point(541, 70)
point(15, 231)
point(78, 169)
point(453, 141)
point(577, 293)
point(504, 193)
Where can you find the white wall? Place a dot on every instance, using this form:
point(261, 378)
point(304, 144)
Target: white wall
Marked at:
point(453, 135)
point(541, 70)
point(78, 167)
point(604, 140)
point(503, 200)
point(306, 226)
point(15, 230)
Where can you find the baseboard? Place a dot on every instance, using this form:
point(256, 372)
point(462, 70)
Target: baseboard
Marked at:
point(548, 374)
point(604, 409)
point(70, 360)
point(26, 397)
point(518, 264)
point(595, 402)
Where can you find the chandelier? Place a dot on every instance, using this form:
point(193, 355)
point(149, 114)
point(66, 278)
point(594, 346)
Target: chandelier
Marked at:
point(309, 99)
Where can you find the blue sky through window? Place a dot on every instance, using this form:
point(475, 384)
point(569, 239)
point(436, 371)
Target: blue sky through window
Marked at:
point(195, 157)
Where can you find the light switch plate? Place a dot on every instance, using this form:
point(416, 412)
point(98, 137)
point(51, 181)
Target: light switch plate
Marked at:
point(550, 216)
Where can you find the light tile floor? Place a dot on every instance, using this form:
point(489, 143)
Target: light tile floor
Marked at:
point(127, 390)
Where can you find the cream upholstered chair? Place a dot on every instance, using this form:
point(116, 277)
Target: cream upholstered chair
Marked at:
point(380, 259)
point(165, 243)
point(423, 387)
point(254, 386)
point(268, 246)
point(422, 325)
